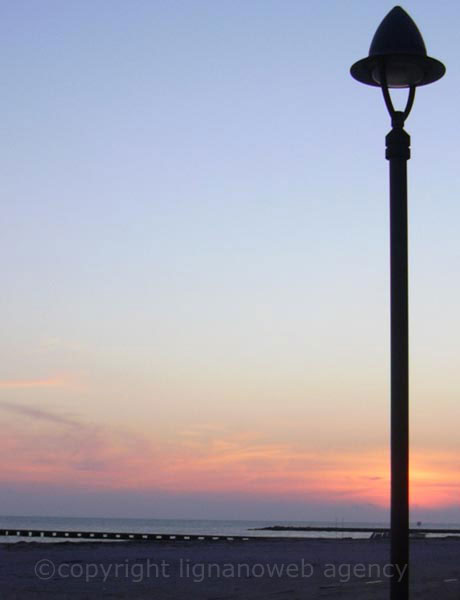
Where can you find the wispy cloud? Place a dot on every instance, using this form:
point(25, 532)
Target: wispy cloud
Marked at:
point(59, 448)
point(12, 384)
point(40, 414)
point(43, 444)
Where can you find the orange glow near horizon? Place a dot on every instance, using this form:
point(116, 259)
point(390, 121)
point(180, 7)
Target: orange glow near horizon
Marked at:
point(236, 464)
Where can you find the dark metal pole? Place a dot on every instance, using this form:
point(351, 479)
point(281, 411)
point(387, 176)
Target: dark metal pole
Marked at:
point(398, 153)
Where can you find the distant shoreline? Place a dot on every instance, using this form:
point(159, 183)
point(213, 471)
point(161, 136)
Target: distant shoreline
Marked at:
point(381, 530)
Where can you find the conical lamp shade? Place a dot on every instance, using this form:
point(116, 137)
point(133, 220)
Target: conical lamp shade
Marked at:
point(398, 53)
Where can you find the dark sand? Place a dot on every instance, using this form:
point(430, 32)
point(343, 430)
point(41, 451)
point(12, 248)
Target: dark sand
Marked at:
point(224, 570)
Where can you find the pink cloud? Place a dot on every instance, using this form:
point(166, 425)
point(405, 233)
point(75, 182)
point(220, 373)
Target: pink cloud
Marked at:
point(14, 384)
point(53, 450)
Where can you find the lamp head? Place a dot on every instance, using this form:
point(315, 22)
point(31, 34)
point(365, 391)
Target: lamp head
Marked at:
point(397, 55)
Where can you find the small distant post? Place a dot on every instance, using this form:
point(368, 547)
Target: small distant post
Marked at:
point(398, 59)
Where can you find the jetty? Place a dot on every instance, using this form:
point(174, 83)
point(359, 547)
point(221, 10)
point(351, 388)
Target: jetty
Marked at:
point(120, 536)
point(67, 534)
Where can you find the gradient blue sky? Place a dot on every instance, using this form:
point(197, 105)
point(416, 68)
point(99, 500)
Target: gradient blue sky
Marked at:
point(194, 259)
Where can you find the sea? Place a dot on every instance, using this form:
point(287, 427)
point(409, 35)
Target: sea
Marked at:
point(188, 526)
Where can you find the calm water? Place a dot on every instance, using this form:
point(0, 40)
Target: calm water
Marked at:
point(183, 526)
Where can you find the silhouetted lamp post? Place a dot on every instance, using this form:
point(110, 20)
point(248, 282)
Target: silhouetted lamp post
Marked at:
point(397, 59)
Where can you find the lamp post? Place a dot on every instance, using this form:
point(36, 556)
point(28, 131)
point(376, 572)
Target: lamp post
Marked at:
point(398, 59)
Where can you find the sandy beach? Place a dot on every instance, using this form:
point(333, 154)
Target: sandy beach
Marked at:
point(238, 570)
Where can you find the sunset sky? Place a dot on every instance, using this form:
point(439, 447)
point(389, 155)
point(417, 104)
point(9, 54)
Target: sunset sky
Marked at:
point(195, 262)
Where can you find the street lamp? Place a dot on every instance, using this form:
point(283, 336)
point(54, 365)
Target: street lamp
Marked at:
point(398, 59)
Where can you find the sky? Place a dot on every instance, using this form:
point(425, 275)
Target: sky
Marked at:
point(195, 262)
